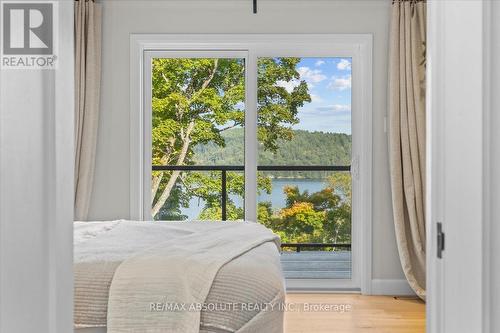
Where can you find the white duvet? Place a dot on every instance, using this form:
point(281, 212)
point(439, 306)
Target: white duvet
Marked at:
point(160, 288)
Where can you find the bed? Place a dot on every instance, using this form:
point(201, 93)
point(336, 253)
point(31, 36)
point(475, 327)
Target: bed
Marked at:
point(246, 292)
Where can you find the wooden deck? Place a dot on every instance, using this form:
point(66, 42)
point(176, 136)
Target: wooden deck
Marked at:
point(316, 264)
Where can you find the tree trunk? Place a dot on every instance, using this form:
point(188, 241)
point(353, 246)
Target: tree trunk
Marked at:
point(175, 174)
point(155, 184)
point(182, 155)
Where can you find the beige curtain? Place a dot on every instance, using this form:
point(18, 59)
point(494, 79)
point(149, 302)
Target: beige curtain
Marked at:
point(87, 91)
point(407, 136)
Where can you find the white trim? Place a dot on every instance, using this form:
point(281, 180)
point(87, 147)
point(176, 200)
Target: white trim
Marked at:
point(393, 287)
point(251, 145)
point(434, 164)
point(136, 128)
point(146, 137)
point(365, 190)
point(488, 293)
point(356, 46)
point(60, 228)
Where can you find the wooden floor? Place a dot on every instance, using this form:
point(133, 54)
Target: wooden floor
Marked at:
point(373, 314)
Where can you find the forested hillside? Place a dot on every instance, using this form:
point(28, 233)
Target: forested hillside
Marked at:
point(305, 148)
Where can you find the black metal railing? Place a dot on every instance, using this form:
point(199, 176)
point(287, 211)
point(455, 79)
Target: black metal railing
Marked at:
point(225, 168)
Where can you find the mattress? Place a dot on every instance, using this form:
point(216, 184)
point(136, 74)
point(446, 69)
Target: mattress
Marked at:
point(254, 278)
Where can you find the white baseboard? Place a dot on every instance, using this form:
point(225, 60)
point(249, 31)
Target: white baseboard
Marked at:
point(393, 287)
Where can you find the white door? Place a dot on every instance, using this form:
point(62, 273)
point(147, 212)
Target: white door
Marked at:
point(36, 189)
point(457, 69)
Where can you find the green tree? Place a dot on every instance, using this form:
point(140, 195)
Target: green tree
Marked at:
point(322, 217)
point(194, 101)
point(339, 219)
point(305, 148)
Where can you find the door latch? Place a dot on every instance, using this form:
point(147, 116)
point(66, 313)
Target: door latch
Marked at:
point(440, 240)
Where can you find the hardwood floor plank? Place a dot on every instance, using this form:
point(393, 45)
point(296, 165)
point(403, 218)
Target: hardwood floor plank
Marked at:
point(370, 314)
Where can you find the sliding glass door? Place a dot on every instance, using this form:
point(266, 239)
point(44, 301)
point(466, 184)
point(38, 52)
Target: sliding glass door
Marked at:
point(304, 141)
point(272, 133)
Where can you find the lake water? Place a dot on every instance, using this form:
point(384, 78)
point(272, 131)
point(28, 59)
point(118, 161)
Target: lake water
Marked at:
point(276, 197)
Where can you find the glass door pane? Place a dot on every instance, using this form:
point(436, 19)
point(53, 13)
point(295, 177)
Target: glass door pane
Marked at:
point(304, 157)
point(197, 138)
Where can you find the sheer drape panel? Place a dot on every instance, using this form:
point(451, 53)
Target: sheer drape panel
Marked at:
point(87, 91)
point(407, 136)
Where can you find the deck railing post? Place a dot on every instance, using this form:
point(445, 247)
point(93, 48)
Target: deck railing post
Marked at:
point(224, 195)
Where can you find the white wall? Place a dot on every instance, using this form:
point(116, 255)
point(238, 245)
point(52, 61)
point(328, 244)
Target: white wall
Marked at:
point(36, 193)
point(122, 17)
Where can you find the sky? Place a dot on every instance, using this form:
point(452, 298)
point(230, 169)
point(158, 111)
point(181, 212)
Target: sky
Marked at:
point(329, 83)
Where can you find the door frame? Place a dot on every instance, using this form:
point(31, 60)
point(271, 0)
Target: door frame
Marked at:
point(357, 46)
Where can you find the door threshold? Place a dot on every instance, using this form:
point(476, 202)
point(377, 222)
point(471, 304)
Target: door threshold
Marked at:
point(321, 286)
